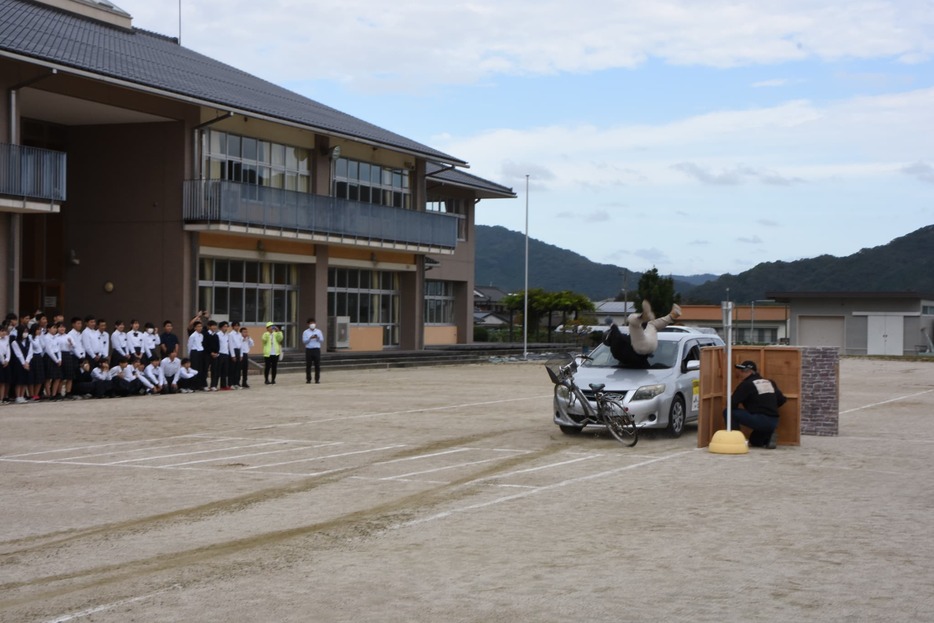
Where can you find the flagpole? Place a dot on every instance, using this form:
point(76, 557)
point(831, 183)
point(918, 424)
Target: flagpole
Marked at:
point(525, 312)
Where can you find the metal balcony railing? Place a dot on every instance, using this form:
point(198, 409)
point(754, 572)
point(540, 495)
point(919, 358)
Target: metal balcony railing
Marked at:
point(32, 173)
point(232, 203)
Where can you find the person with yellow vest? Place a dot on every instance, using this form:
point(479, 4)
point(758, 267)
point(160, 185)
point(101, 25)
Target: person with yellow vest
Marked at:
point(272, 349)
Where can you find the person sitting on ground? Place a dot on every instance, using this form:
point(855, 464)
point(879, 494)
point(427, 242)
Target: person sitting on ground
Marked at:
point(154, 374)
point(125, 378)
point(102, 386)
point(187, 378)
point(633, 350)
point(760, 399)
point(171, 365)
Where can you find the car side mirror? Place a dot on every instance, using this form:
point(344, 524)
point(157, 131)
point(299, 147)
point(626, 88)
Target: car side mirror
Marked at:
point(693, 364)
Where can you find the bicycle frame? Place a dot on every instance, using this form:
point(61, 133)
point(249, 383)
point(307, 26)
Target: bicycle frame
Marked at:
point(620, 424)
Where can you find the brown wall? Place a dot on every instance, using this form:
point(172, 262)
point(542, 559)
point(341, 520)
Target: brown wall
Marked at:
point(124, 221)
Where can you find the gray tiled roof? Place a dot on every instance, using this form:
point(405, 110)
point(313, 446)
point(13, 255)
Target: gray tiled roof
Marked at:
point(150, 60)
point(457, 177)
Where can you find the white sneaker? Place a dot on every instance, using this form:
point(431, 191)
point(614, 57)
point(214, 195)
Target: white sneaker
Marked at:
point(20, 400)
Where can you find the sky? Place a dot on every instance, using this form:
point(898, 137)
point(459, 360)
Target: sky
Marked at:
point(692, 136)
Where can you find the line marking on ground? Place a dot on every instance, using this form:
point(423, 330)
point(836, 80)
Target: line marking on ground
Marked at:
point(243, 456)
point(169, 456)
point(102, 445)
point(539, 468)
point(422, 456)
point(91, 611)
point(524, 494)
point(147, 448)
point(885, 402)
point(320, 458)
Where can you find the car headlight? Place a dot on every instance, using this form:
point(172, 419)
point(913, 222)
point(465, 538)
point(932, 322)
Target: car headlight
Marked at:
point(647, 392)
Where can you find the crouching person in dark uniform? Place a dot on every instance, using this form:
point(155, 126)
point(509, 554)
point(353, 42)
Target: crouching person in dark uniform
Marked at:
point(90, 383)
point(125, 378)
point(760, 399)
point(103, 385)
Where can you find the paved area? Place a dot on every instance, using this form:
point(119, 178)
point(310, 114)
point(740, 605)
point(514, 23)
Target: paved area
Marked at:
point(445, 494)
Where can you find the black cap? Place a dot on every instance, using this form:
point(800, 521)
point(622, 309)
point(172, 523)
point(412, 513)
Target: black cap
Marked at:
point(747, 365)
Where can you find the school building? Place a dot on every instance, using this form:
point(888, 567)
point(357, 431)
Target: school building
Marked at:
point(139, 178)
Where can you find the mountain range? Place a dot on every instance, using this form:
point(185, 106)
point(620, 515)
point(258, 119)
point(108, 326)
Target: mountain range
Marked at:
point(904, 264)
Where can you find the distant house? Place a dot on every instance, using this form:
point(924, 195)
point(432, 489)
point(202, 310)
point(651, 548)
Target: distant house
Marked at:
point(489, 319)
point(860, 323)
point(609, 311)
point(489, 299)
point(752, 324)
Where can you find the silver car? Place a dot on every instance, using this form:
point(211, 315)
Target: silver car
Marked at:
point(666, 395)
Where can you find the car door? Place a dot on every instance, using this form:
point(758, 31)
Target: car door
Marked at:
point(689, 380)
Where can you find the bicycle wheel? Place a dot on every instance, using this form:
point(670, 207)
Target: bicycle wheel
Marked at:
point(620, 423)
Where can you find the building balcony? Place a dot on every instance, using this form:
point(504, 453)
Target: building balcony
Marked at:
point(31, 179)
point(223, 206)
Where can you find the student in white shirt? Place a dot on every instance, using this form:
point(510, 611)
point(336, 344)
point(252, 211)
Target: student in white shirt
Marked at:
point(171, 366)
point(223, 355)
point(103, 340)
point(135, 339)
point(37, 367)
point(102, 386)
point(53, 361)
point(4, 363)
point(125, 378)
point(235, 345)
point(199, 362)
point(246, 345)
point(21, 349)
point(154, 374)
point(150, 343)
point(121, 347)
point(72, 354)
point(91, 340)
point(187, 378)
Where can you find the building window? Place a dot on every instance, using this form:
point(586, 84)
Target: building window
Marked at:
point(252, 292)
point(455, 207)
point(260, 163)
point(368, 297)
point(927, 310)
point(439, 302)
point(371, 183)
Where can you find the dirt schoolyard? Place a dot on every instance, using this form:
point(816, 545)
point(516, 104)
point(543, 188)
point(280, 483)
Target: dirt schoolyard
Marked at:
point(446, 494)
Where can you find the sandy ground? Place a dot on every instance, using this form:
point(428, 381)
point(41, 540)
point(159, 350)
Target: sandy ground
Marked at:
point(447, 494)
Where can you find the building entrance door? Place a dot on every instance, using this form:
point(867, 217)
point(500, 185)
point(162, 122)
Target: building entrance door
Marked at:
point(886, 335)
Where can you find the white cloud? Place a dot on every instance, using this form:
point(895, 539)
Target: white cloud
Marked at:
point(781, 145)
point(594, 216)
point(435, 43)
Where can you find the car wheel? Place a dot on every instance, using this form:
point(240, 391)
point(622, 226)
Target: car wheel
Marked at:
point(570, 430)
point(676, 417)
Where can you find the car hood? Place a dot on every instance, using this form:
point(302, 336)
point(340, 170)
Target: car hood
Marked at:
point(622, 379)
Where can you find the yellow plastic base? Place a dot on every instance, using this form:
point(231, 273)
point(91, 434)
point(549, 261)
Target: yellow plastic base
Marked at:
point(728, 442)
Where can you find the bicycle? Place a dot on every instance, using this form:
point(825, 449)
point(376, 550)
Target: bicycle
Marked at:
point(606, 409)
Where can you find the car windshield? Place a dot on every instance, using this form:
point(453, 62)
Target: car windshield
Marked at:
point(665, 356)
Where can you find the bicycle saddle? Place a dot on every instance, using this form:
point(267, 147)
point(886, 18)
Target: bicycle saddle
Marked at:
point(597, 387)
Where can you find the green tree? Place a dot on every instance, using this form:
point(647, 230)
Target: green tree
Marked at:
point(542, 304)
point(659, 291)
